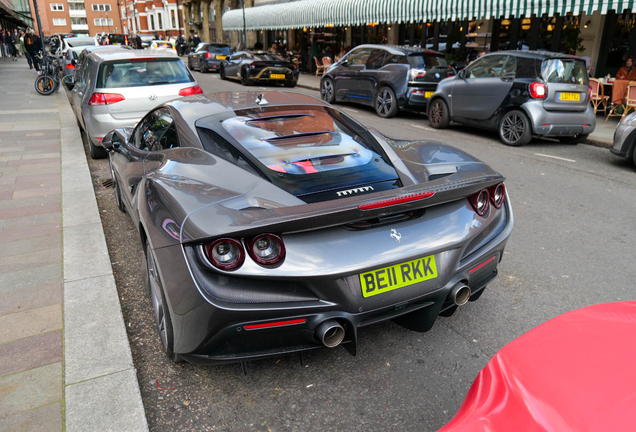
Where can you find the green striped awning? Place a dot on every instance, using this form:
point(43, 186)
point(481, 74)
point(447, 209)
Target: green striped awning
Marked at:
point(320, 13)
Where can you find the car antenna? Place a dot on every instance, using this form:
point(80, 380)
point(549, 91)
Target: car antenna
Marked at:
point(260, 99)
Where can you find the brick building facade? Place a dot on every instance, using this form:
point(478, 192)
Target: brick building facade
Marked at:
point(80, 16)
point(161, 17)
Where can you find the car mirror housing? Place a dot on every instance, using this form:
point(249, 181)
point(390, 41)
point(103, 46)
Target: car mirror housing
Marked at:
point(69, 81)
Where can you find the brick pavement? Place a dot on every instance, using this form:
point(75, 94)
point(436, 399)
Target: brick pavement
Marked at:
point(31, 278)
point(65, 361)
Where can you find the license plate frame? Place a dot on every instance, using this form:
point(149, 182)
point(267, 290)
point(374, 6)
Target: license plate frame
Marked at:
point(385, 279)
point(221, 57)
point(428, 94)
point(569, 97)
point(277, 76)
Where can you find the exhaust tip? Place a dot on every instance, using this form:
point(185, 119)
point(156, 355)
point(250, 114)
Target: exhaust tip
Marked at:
point(461, 294)
point(330, 333)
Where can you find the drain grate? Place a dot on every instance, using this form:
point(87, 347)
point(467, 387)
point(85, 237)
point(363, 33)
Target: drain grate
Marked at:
point(107, 183)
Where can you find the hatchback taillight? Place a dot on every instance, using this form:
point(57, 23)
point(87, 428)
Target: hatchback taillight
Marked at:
point(105, 98)
point(208, 55)
point(538, 90)
point(267, 249)
point(497, 194)
point(480, 201)
point(189, 91)
point(225, 253)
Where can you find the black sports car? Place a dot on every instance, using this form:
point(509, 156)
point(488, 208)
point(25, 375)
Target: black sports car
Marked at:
point(273, 223)
point(208, 56)
point(259, 67)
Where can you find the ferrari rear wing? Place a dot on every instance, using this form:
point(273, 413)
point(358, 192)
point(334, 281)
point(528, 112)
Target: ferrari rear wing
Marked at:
point(251, 221)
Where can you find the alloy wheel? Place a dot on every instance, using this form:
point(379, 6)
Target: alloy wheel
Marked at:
point(512, 128)
point(155, 293)
point(435, 116)
point(327, 90)
point(384, 102)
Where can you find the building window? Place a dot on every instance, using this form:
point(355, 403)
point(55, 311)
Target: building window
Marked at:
point(59, 21)
point(101, 7)
point(174, 20)
point(152, 22)
point(103, 22)
point(57, 7)
point(159, 21)
point(80, 21)
point(75, 1)
point(76, 6)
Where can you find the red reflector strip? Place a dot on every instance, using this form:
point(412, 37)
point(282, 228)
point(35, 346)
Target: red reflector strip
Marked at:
point(395, 201)
point(275, 324)
point(481, 265)
point(587, 125)
point(545, 124)
point(142, 59)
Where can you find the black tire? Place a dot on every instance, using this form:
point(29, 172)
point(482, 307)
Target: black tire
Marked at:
point(515, 129)
point(245, 77)
point(203, 68)
point(190, 64)
point(222, 72)
point(575, 139)
point(385, 103)
point(328, 90)
point(116, 189)
point(438, 115)
point(45, 85)
point(159, 306)
point(95, 151)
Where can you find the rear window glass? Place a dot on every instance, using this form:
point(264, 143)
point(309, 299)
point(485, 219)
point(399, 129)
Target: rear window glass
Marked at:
point(220, 49)
point(138, 73)
point(313, 140)
point(76, 42)
point(427, 61)
point(115, 38)
point(569, 71)
point(267, 57)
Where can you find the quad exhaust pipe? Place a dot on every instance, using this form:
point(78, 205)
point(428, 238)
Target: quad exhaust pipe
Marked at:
point(460, 294)
point(330, 333)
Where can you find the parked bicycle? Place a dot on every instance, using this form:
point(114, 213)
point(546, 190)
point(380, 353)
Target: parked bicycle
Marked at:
point(49, 80)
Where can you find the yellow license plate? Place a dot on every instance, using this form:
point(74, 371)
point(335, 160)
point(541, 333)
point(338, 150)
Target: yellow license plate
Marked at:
point(576, 97)
point(221, 57)
point(277, 76)
point(398, 276)
point(428, 94)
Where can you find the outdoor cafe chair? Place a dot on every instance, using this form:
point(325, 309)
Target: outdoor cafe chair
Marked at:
point(597, 95)
point(320, 69)
point(326, 62)
point(630, 102)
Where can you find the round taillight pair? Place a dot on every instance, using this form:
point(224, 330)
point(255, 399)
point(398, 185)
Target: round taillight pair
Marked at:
point(498, 194)
point(228, 253)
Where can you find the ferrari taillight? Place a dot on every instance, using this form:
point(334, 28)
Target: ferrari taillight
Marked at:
point(267, 249)
point(480, 201)
point(497, 194)
point(225, 253)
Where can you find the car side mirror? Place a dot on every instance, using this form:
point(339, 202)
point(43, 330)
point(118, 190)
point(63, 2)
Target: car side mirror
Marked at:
point(117, 140)
point(345, 62)
point(74, 62)
point(461, 74)
point(69, 81)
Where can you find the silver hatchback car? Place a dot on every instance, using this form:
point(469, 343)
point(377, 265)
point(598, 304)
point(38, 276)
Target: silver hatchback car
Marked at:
point(116, 88)
point(625, 138)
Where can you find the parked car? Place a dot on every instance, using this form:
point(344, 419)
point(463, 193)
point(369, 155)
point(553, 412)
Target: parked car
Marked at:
point(520, 94)
point(625, 138)
point(273, 223)
point(146, 39)
point(162, 45)
point(208, 56)
point(572, 373)
point(117, 87)
point(116, 39)
point(60, 44)
point(73, 56)
point(259, 67)
point(387, 78)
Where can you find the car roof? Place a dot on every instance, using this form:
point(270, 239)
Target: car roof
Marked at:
point(124, 54)
point(535, 54)
point(196, 107)
point(397, 49)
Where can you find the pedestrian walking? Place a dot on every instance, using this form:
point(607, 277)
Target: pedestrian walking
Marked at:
point(23, 49)
point(10, 41)
point(16, 36)
point(33, 45)
point(196, 40)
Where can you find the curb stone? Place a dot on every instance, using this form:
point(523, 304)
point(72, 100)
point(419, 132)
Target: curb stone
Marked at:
point(101, 389)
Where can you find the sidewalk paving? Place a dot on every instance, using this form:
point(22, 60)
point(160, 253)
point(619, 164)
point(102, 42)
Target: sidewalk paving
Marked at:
point(601, 137)
point(65, 362)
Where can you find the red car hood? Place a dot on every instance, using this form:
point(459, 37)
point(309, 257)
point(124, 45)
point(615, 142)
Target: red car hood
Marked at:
point(576, 372)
